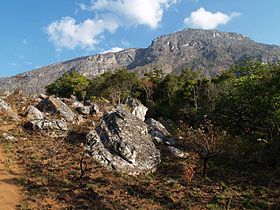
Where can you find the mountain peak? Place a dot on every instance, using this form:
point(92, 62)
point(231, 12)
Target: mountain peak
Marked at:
point(211, 51)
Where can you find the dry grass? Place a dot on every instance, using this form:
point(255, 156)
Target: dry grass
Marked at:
point(52, 171)
point(51, 181)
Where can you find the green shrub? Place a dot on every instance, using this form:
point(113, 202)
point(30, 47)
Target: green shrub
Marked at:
point(69, 84)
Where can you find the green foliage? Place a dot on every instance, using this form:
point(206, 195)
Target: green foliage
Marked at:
point(252, 105)
point(244, 101)
point(186, 97)
point(250, 108)
point(155, 76)
point(114, 86)
point(98, 84)
point(69, 84)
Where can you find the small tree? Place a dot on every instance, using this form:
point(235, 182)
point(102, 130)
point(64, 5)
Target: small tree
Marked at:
point(155, 76)
point(69, 84)
point(114, 86)
point(208, 143)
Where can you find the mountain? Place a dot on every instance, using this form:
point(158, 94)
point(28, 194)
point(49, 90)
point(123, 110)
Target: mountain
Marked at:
point(209, 50)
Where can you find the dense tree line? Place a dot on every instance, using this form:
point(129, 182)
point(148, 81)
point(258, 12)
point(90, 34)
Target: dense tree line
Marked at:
point(244, 101)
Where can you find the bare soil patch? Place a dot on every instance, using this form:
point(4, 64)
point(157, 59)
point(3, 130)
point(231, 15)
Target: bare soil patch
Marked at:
point(10, 190)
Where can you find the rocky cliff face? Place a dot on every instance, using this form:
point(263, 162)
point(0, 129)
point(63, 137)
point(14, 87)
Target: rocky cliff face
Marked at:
point(209, 50)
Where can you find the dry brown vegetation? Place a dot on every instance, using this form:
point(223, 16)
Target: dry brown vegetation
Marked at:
point(51, 181)
point(51, 178)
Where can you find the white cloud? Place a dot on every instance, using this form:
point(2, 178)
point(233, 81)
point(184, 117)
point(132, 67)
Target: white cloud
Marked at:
point(208, 20)
point(113, 50)
point(112, 14)
point(66, 33)
point(134, 12)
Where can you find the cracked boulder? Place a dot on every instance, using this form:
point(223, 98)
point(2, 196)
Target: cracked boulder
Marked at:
point(121, 142)
point(55, 106)
point(33, 113)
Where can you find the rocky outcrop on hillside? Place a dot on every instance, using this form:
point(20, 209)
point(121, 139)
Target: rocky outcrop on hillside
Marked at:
point(46, 124)
point(159, 132)
point(55, 106)
point(119, 138)
point(6, 109)
point(137, 108)
point(122, 142)
point(209, 50)
point(33, 113)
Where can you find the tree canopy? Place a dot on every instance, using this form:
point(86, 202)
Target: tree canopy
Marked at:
point(244, 101)
point(69, 84)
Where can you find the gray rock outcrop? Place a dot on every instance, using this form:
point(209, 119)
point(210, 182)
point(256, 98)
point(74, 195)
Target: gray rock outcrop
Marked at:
point(86, 108)
point(7, 110)
point(122, 142)
point(81, 108)
point(51, 114)
point(55, 106)
point(45, 124)
point(137, 108)
point(177, 152)
point(33, 113)
point(159, 132)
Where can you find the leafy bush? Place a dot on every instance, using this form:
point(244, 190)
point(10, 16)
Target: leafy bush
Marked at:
point(114, 86)
point(251, 106)
point(69, 84)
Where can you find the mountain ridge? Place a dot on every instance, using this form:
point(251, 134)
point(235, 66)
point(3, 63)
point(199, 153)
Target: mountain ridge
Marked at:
point(211, 51)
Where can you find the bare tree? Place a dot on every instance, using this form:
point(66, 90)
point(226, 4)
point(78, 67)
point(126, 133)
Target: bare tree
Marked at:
point(208, 142)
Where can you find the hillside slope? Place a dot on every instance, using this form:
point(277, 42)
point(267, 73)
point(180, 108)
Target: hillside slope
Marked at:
point(209, 50)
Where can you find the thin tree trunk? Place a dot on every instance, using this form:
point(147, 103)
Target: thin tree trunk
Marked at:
point(204, 167)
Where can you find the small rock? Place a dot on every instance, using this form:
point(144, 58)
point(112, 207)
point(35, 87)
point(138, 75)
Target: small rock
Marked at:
point(159, 132)
point(42, 96)
point(46, 125)
point(33, 113)
point(84, 110)
point(56, 107)
point(7, 93)
point(5, 108)
point(177, 153)
point(62, 125)
point(8, 137)
point(73, 98)
point(137, 108)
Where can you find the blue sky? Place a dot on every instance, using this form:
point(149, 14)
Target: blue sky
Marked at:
point(36, 33)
